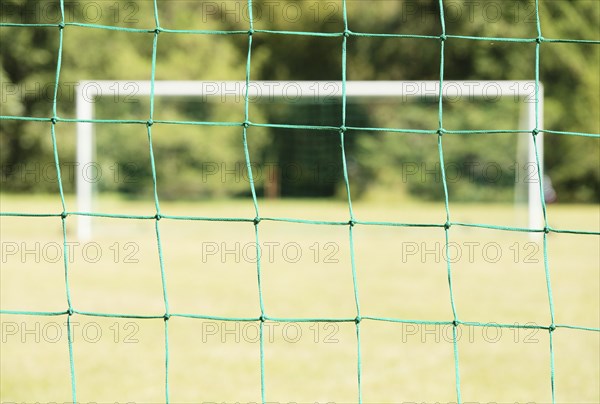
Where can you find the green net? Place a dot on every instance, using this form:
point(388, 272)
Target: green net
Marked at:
point(353, 221)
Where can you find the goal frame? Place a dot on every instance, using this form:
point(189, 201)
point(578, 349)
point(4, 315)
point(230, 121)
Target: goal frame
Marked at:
point(89, 90)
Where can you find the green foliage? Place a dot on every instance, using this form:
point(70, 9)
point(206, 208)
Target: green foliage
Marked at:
point(570, 73)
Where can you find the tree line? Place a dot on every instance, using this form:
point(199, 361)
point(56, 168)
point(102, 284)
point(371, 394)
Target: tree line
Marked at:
point(208, 161)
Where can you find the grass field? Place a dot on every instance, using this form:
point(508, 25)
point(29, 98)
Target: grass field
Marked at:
point(498, 276)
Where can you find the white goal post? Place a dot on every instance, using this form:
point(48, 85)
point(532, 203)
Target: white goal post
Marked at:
point(88, 91)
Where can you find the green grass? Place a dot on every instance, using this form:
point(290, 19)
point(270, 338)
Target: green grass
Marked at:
point(401, 273)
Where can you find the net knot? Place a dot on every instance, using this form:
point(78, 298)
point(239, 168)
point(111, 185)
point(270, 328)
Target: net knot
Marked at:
point(351, 222)
point(63, 215)
point(256, 220)
point(70, 311)
point(358, 319)
point(262, 318)
point(157, 216)
point(53, 120)
point(250, 31)
point(149, 122)
point(246, 124)
point(455, 323)
point(535, 132)
point(552, 327)
point(546, 229)
point(447, 225)
point(343, 129)
point(157, 30)
point(347, 33)
point(443, 37)
point(441, 131)
point(539, 39)
point(166, 317)
point(61, 25)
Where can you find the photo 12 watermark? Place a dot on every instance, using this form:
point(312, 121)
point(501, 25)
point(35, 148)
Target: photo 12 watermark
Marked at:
point(270, 172)
point(488, 252)
point(67, 91)
point(490, 333)
point(54, 332)
point(91, 252)
point(489, 172)
point(38, 172)
point(272, 11)
point(86, 12)
point(290, 252)
point(273, 331)
point(470, 11)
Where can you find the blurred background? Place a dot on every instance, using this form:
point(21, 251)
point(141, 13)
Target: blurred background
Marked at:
point(569, 72)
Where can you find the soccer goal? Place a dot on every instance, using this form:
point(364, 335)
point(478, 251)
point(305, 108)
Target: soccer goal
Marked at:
point(89, 91)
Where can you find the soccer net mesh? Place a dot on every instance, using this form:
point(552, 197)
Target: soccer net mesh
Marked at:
point(353, 221)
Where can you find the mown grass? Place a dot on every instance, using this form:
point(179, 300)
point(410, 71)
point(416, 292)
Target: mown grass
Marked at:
point(210, 268)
